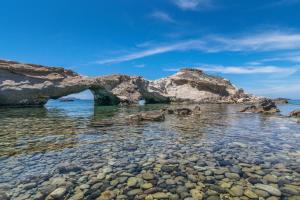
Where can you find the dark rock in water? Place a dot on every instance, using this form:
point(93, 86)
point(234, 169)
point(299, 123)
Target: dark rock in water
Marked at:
point(146, 116)
point(102, 123)
point(295, 113)
point(183, 111)
point(224, 163)
point(197, 110)
point(68, 167)
point(167, 111)
point(131, 148)
point(254, 180)
point(264, 106)
point(281, 100)
point(169, 168)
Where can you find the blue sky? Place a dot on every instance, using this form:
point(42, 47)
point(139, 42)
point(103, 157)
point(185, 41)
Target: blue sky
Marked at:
point(254, 43)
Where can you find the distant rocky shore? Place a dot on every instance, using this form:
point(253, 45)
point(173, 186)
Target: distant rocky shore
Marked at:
point(33, 85)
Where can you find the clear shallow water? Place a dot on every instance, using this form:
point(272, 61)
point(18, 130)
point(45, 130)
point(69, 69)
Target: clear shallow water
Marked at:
point(220, 154)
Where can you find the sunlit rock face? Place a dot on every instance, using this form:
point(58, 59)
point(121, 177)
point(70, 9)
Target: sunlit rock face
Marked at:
point(193, 85)
point(33, 85)
point(114, 89)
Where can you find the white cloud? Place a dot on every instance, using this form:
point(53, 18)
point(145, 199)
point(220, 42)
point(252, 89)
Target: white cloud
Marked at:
point(291, 58)
point(163, 16)
point(267, 41)
point(179, 46)
point(245, 69)
point(193, 4)
point(252, 70)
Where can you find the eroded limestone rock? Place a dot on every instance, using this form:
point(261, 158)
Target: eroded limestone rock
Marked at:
point(33, 85)
point(264, 106)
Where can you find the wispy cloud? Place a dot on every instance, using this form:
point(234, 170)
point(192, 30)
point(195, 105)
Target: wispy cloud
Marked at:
point(245, 69)
point(267, 41)
point(193, 4)
point(140, 66)
point(179, 46)
point(163, 16)
point(287, 57)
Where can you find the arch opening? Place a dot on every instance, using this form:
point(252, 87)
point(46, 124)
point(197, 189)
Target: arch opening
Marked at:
point(86, 95)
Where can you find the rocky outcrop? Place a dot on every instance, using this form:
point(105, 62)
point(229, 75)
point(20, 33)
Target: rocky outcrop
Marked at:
point(295, 113)
point(264, 106)
point(196, 86)
point(115, 89)
point(182, 111)
point(281, 100)
point(146, 116)
point(33, 85)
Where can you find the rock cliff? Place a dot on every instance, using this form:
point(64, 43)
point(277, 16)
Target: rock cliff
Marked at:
point(123, 89)
point(33, 85)
point(196, 86)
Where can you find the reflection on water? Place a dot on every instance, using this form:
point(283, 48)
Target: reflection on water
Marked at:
point(221, 154)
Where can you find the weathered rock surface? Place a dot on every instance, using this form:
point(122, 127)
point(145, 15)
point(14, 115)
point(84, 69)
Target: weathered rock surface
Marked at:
point(182, 111)
point(281, 100)
point(194, 85)
point(264, 106)
point(295, 113)
point(115, 89)
point(27, 84)
point(33, 85)
point(146, 116)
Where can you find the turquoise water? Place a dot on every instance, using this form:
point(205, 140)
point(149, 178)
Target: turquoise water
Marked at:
point(296, 102)
point(64, 148)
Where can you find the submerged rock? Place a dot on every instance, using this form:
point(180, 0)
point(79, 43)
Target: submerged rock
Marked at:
point(268, 188)
point(264, 106)
point(57, 194)
point(146, 116)
point(182, 111)
point(250, 194)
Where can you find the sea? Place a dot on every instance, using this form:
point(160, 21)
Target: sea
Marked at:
point(75, 150)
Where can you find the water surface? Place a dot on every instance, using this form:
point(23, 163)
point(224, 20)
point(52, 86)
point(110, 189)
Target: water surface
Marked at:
point(219, 154)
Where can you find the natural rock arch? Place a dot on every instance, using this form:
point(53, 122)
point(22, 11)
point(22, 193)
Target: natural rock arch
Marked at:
point(33, 85)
